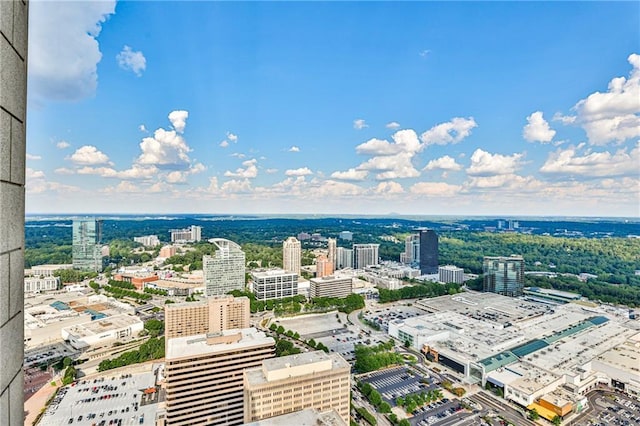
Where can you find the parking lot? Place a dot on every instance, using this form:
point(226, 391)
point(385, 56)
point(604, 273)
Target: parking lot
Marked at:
point(398, 382)
point(382, 316)
point(109, 400)
point(435, 412)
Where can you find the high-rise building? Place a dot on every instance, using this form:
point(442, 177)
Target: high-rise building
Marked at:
point(324, 267)
point(332, 252)
point(86, 249)
point(274, 284)
point(344, 258)
point(292, 255)
point(411, 255)
point(204, 375)
point(167, 251)
point(450, 274)
point(147, 240)
point(192, 234)
point(14, 18)
point(428, 251)
point(504, 275)
point(217, 313)
point(296, 382)
point(224, 271)
point(365, 255)
point(330, 287)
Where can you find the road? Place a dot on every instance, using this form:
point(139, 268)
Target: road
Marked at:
point(502, 408)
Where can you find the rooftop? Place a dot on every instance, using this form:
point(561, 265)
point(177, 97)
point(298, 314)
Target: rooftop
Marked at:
point(303, 364)
point(115, 322)
point(304, 417)
point(197, 345)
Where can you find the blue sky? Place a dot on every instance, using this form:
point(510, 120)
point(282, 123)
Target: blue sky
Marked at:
point(336, 107)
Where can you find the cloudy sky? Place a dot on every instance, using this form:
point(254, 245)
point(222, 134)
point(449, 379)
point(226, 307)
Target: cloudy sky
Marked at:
point(362, 108)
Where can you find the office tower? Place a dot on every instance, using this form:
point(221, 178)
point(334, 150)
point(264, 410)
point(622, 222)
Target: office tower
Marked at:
point(191, 234)
point(504, 275)
point(224, 271)
point(330, 287)
point(215, 314)
point(204, 375)
point(86, 249)
point(291, 255)
point(365, 255)
point(324, 267)
point(428, 251)
point(293, 383)
point(450, 274)
point(13, 102)
point(411, 255)
point(344, 257)
point(274, 284)
point(332, 252)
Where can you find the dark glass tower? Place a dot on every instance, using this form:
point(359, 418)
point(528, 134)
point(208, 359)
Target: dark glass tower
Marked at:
point(428, 251)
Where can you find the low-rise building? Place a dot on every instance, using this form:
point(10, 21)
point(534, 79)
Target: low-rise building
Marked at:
point(37, 284)
point(330, 286)
point(102, 332)
point(450, 274)
point(46, 270)
point(274, 284)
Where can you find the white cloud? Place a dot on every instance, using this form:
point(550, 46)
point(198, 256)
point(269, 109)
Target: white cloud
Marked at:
point(612, 116)
point(238, 155)
point(403, 141)
point(236, 186)
point(89, 155)
point(424, 53)
point(435, 189)
point(63, 145)
point(142, 128)
point(271, 171)
point(302, 171)
point(506, 182)
point(249, 171)
point(294, 149)
point(564, 119)
point(33, 174)
point(487, 164)
point(569, 162)
point(166, 148)
point(332, 188)
point(537, 129)
point(388, 188)
point(176, 177)
point(224, 143)
point(63, 171)
point(33, 157)
point(130, 60)
point(443, 163)
point(178, 120)
point(233, 138)
point(351, 174)
point(391, 166)
point(63, 48)
point(393, 125)
point(359, 124)
point(452, 131)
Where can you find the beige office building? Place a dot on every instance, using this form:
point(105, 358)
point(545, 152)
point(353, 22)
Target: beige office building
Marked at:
point(331, 287)
point(204, 375)
point(296, 382)
point(207, 316)
point(292, 255)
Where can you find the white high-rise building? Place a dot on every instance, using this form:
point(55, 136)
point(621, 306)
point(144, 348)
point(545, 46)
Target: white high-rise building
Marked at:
point(365, 255)
point(450, 274)
point(274, 284)
point(225, 270)
point(344, 258)
point(411, 255)
point(192, 234)
point(291, 255)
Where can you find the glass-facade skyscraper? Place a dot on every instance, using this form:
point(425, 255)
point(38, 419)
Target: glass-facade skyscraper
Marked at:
point(428, 252)
point(86, 247)
point(224, 271)
point(504, 275)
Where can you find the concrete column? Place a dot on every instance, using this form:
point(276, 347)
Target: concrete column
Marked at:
point(13, 102)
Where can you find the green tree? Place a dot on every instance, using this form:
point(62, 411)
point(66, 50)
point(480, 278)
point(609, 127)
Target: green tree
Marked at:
point(533, 414)
point(557, 420)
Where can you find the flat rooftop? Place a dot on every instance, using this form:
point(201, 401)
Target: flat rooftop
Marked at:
point(285, 367)
point(115, 322)
point(180, 347)
point(271, 273)
point(625, 356)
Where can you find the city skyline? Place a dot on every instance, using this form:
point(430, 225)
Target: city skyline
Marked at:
point(334, 108)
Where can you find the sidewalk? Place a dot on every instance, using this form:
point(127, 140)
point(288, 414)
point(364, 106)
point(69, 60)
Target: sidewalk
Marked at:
point(34, 405)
